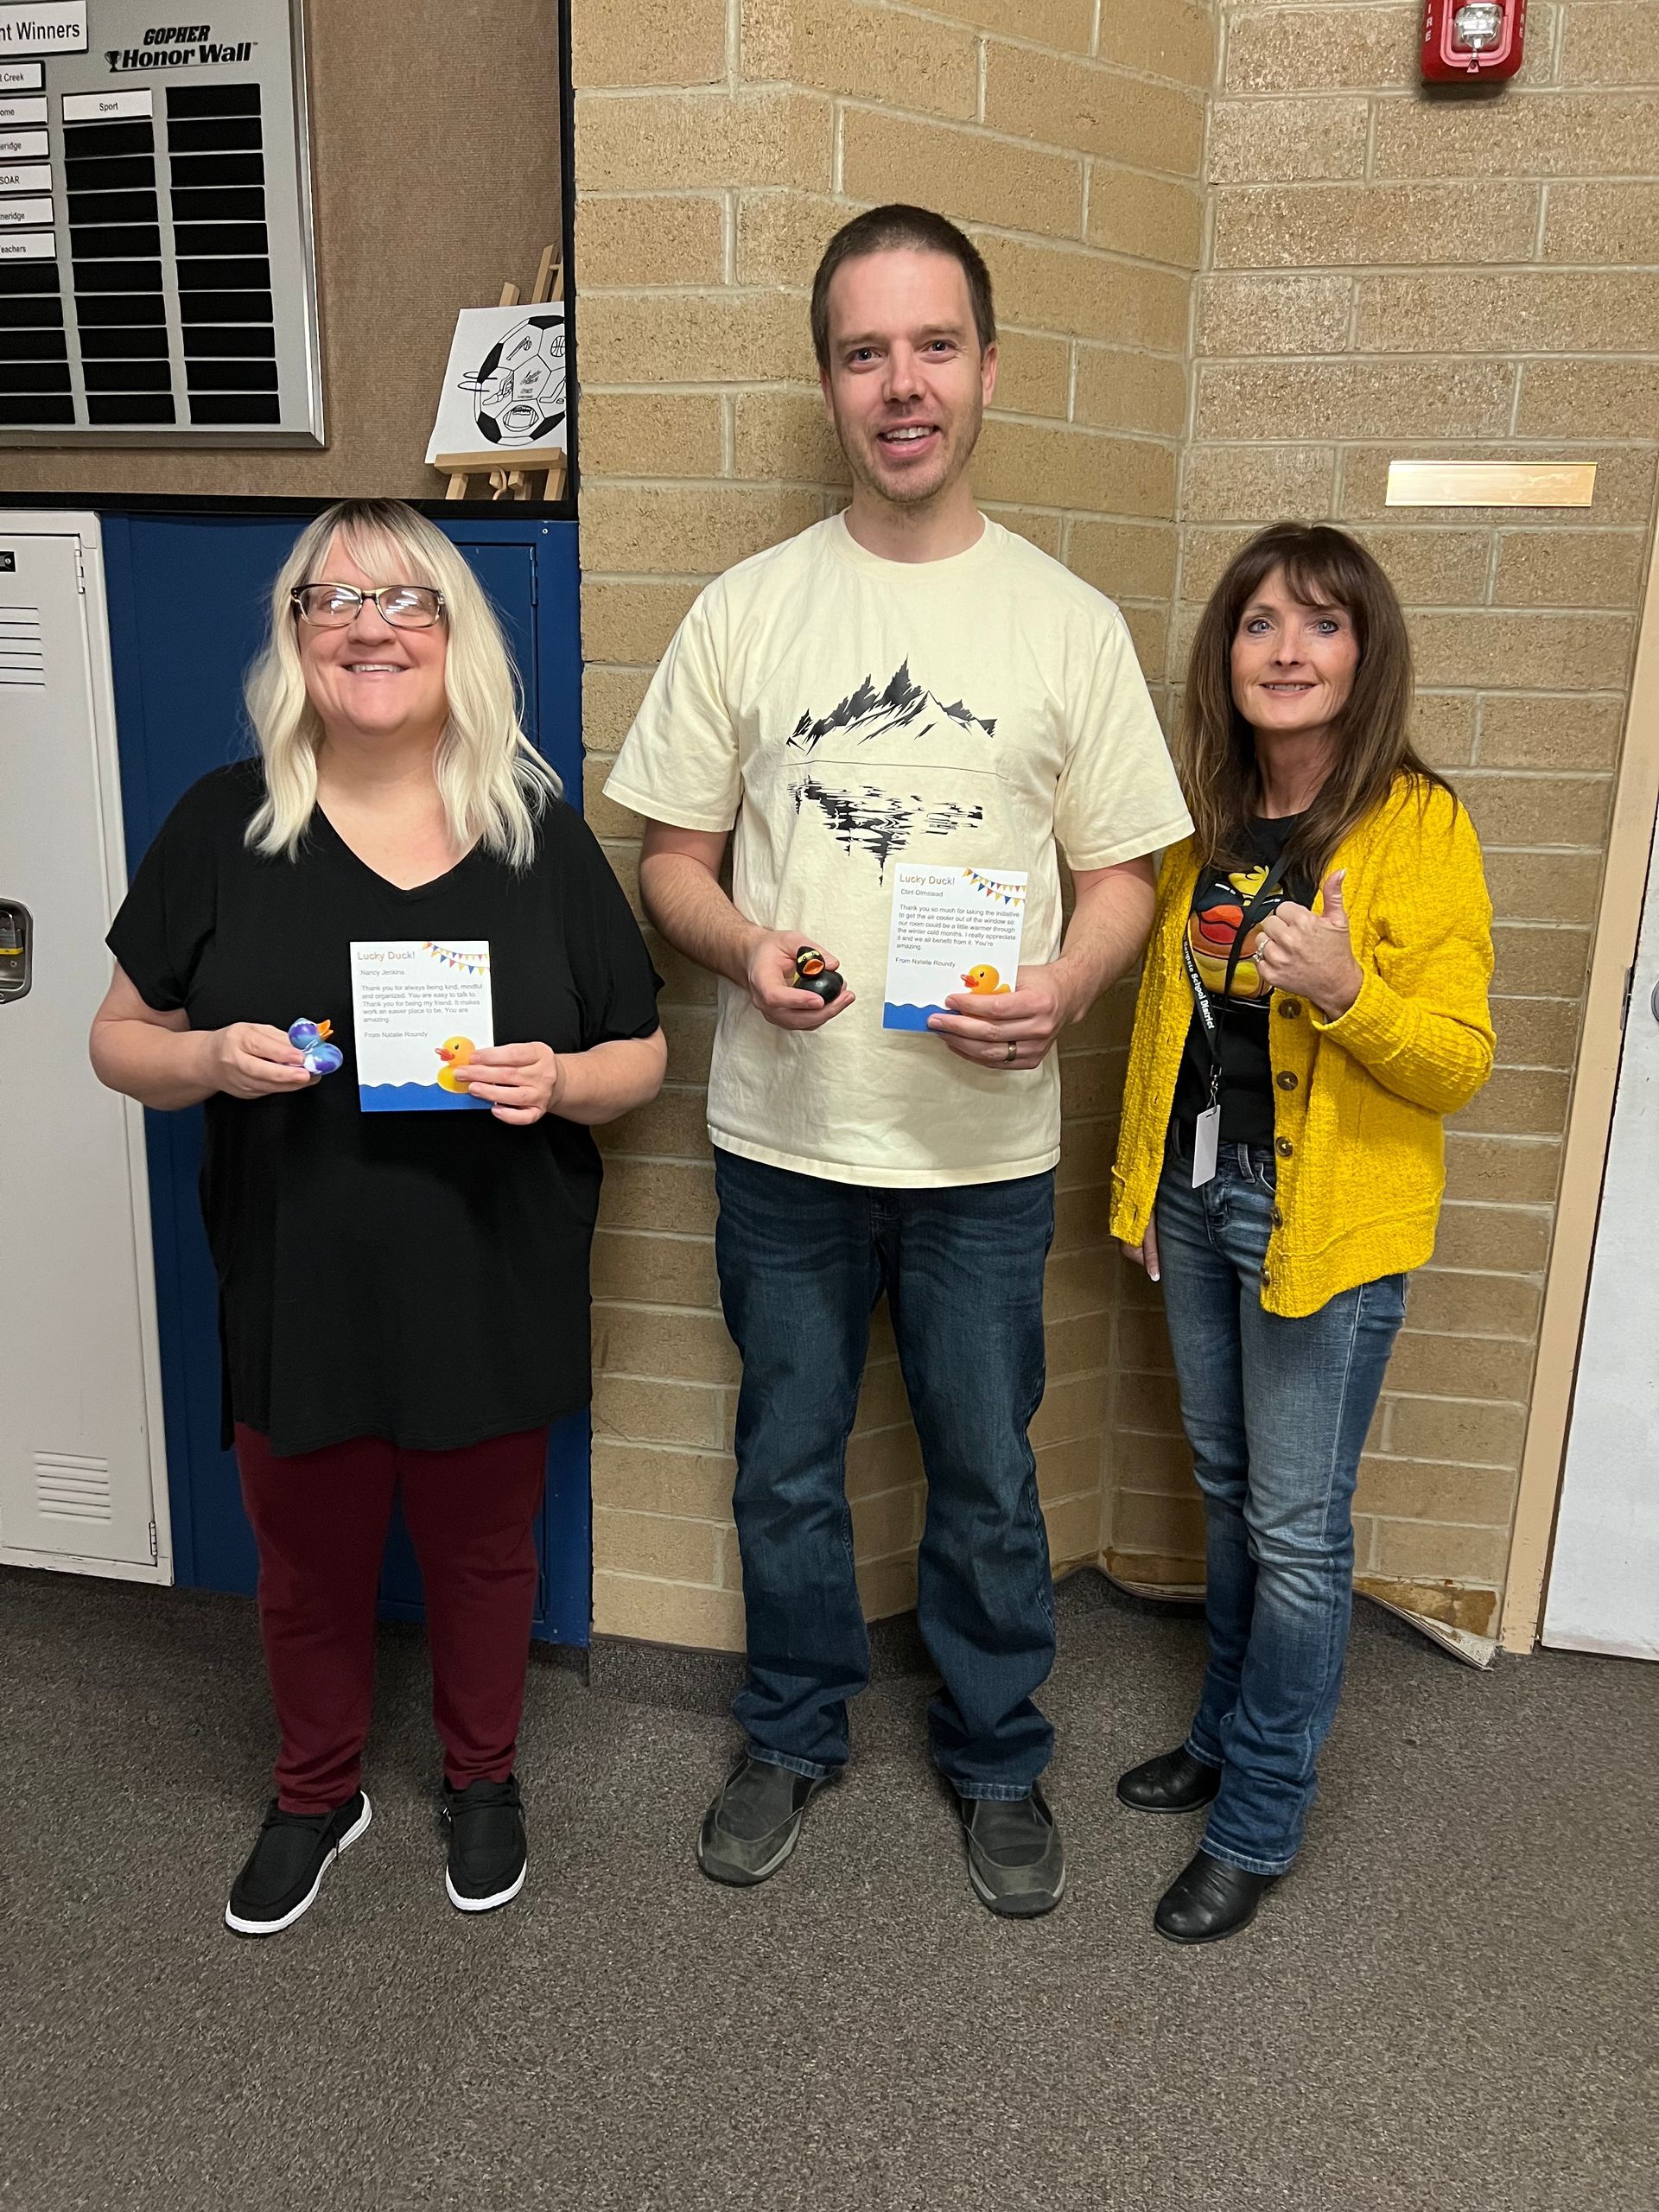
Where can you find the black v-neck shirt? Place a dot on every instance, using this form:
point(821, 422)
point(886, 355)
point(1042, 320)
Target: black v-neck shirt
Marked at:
point(422, 1277)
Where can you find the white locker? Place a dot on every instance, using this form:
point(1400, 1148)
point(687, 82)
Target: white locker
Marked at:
point(83, 1478)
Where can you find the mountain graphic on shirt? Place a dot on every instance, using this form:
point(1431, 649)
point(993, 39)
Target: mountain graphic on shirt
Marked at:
point(877, 819)
point(902, 707)
point(864, 818)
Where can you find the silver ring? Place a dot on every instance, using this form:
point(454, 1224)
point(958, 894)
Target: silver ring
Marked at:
point(1014, 1054)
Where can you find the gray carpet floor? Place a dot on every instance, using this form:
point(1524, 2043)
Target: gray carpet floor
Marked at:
point(1451, 2003)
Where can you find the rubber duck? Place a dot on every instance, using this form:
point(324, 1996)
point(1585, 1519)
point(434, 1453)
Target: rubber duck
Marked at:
point(455, 1052)
point(985, 983)
point(813, 972)
point(311, 1039)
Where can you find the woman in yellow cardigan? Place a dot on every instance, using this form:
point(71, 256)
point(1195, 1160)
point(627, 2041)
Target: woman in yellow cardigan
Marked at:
point(1314, 1002)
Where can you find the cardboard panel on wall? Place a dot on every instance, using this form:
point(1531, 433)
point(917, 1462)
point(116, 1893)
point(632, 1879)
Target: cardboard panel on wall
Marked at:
point(435, 175)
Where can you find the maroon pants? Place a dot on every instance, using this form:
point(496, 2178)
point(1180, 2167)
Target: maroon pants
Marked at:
point(320, 1519)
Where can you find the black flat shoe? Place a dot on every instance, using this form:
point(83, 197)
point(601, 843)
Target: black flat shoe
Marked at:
point(285, 1869)
point(754, 1823)
point(1016, 1860)
point(1208, 1900)
point(488, 1858)
point(1173, 1782)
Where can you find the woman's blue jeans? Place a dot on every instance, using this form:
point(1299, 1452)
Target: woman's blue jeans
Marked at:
point(1276, 1412)
point(802, 1262)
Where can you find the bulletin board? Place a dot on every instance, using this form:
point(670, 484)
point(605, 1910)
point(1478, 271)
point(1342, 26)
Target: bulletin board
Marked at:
point(157, 280)
point(439, 160)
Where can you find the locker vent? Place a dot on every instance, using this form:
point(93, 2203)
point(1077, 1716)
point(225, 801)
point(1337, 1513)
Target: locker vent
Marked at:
point(22, 650)
point(69, 1488)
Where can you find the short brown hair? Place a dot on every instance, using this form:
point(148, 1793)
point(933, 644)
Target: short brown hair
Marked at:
point(1322, 566)
point(883, 230)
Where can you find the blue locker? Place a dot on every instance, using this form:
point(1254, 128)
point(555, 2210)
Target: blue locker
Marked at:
point(188, 596)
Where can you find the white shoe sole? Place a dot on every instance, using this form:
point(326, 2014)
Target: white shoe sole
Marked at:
point(485, 1904)
point(275, 1927)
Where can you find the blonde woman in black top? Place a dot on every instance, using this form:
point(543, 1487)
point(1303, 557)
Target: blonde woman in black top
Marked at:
point(404, 1295)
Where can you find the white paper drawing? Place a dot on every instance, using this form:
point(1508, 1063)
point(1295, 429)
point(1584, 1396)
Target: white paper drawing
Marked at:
point(505, 387)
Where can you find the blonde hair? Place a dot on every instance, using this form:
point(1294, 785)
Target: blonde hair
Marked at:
point(492, 781)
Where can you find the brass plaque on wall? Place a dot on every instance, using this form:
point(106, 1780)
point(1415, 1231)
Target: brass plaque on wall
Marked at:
point(1492, 483)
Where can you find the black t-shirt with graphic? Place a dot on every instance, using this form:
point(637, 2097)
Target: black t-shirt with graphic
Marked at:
point(1218, 905)
point(419, 1276)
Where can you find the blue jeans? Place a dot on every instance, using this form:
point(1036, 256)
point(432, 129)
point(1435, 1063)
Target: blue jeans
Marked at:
point(1276, 1412)
point(802, 1262)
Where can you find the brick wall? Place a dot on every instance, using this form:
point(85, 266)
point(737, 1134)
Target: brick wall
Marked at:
point(716, 149)
point(1393, 273)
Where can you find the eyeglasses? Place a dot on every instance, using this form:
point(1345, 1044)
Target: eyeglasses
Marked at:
point(336, 606)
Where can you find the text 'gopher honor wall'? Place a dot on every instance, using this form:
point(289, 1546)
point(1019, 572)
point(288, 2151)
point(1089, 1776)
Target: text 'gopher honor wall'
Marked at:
point(156, 277)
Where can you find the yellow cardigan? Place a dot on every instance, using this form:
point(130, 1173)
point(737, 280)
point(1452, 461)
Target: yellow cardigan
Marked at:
point(1357, 1103)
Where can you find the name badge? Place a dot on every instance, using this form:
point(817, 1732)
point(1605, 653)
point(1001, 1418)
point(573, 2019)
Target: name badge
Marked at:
point(1206, 1143)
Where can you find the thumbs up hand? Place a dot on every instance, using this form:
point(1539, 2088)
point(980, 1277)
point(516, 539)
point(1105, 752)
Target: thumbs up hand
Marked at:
point(1310, 954)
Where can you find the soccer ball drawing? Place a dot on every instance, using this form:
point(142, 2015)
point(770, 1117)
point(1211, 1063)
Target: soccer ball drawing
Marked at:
point(504, 386)
point(520, 384)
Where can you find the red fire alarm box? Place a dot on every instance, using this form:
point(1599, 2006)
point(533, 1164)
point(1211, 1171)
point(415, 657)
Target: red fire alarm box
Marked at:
point(1472, 41)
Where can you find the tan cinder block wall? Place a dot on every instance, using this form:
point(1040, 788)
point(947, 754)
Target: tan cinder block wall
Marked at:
point(1391, 273)
point(716, 149)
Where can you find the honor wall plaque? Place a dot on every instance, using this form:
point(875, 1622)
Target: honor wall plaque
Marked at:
point(157, 280)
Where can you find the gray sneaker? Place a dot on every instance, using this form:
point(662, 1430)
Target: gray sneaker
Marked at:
point(754, 1823)
point(1016, 1860)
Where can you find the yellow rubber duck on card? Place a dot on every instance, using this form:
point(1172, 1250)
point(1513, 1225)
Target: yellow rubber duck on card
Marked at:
point(455, 1052)
point(985, 983)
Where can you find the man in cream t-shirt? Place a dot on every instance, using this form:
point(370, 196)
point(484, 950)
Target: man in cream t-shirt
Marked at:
point(907, 683)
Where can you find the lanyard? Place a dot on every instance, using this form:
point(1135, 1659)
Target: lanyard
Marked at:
point(1214, 1022)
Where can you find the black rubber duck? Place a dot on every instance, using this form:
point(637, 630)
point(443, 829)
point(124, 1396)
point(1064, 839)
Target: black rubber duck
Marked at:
point(813, 972)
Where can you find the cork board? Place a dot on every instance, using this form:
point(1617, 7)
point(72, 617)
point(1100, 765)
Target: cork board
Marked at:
point(436, 178)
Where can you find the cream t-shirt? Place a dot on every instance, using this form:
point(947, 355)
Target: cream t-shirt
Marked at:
point(847, 713)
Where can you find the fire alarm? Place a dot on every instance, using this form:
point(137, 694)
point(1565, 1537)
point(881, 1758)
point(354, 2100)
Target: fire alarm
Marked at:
point(1472, 41)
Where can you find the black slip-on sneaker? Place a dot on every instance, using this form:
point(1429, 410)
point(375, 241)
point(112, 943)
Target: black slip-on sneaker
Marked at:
point(488, 1855)
point(1016, 1860)
point(285, 1868)
point(754, 1823)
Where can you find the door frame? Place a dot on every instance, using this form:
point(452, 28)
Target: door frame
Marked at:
point(1589, 1134)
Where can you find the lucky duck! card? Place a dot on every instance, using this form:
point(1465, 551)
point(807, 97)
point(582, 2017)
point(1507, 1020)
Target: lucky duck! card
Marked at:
point(955, 930)
point(421, 1011)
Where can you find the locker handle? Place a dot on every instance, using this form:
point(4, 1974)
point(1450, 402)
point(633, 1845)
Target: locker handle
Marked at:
point(17, 950)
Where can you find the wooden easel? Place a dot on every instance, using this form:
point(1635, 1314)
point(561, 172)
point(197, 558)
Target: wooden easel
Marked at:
point(506, 482)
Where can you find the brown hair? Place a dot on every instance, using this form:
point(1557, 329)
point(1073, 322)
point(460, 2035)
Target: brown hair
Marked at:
point(883, 230)
point(1322, 567)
